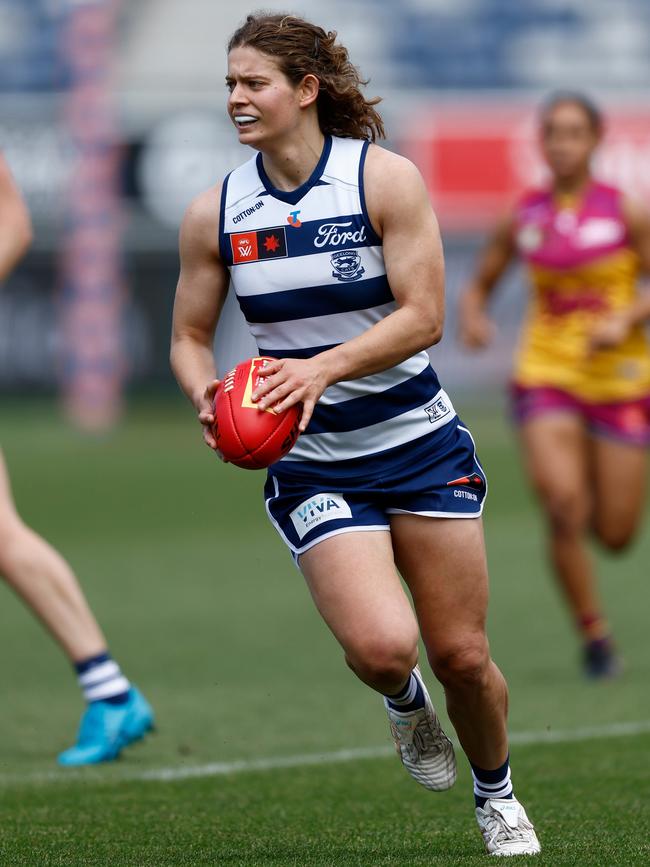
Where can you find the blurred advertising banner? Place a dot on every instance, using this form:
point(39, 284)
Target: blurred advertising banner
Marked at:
point(91, 280)
point(476, 157)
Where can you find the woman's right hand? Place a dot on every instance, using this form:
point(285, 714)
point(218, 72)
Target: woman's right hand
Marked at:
point(205, 410)
point(475, 328)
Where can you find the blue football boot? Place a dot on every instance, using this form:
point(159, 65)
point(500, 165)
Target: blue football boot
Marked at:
point(107, 728)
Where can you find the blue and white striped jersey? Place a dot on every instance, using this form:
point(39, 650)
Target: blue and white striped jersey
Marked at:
point(308, 271)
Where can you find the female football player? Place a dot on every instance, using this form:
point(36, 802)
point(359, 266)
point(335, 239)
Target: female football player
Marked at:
point(334, 254)
point(581, 387)
point(117, 713)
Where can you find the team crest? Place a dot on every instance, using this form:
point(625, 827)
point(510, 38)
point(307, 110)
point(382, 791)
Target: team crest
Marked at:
point(347, 265)
point(437, 410)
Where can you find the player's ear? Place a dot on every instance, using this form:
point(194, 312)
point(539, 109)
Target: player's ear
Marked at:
point(308, 90)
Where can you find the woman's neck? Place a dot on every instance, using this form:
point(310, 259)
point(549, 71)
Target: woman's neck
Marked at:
point(572, 187)
point(290, 164)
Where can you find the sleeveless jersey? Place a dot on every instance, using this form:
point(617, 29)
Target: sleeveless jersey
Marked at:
point(308, 271)
point(581, 269)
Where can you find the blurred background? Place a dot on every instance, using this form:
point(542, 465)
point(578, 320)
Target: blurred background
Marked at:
point(112, 117)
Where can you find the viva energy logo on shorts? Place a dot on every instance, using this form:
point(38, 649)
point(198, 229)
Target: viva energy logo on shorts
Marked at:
point(318, 509)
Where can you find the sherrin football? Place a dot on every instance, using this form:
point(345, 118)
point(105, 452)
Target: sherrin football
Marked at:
point(246, 436)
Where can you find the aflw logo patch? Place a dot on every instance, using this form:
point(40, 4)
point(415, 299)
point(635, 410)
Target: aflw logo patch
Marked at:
point(253, 246)
point(318, 509)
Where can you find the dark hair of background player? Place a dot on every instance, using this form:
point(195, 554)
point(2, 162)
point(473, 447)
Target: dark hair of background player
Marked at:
point(300, 48)
point(561, 97)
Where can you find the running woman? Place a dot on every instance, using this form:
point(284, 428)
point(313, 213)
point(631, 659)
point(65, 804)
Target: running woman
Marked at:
point(581, 387)
point(117, 713)
point(334, 254)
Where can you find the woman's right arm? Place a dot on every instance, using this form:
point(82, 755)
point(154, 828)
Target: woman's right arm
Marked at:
point(200, 295)
point(476, 329)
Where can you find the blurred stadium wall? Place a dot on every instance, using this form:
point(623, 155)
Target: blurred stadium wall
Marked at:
point(460, 79)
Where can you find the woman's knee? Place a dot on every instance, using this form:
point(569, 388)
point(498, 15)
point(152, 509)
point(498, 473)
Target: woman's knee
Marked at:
point(567, 511)
point(383, 659)
point(461, 662)
point(616, 537)
point(14, 543)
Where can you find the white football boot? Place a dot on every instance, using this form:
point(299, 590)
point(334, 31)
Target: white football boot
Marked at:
point(506, 828)
point(425, 750)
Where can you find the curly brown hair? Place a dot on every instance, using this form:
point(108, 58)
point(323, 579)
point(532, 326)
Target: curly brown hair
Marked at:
point(300, 48)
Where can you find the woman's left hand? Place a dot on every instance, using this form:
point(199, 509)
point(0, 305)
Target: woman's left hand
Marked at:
point(609, 332)
point(288, 381)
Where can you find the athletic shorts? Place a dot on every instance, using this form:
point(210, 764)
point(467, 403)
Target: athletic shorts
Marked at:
point(626, 421)
point(448, 482)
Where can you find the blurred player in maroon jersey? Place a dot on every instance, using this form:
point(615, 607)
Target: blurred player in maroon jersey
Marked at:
point(581, 389)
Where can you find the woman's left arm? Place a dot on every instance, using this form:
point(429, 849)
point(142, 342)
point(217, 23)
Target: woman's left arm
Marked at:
point(637, 218)
point(614, 330)
point(400, 211)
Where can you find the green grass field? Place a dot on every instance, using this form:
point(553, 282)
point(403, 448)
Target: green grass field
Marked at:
point(205, 611)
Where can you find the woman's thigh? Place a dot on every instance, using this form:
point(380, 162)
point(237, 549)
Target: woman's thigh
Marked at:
point(556, 456)
point(444, 564)
point(619, 478)
point(356, 588)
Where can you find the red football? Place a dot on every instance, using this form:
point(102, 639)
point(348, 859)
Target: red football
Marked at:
point(247, 436)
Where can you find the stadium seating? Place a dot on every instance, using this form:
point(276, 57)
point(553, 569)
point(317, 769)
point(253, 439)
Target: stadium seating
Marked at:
point(508, 44)
point(439, 44)
point(28, 46)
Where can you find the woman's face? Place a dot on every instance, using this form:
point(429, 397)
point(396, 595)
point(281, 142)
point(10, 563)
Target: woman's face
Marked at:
point(568, 139)
point(263, 104)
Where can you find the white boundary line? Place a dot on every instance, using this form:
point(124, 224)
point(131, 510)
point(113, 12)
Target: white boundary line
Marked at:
point(244, 766)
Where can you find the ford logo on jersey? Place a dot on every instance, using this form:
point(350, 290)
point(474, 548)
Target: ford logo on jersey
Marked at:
point(347, 265)
point(335, 235)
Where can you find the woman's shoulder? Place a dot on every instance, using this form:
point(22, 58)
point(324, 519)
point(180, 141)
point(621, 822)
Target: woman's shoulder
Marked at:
point(203, 206)
point(605, 189)
point(533, 195)
point(395, 190)
point(383, 158)
point(620, 202)
point(201, 219)
point(635, 212)
point(391, 172)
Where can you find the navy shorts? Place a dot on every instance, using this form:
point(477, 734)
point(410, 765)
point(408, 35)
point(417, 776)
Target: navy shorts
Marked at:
point(447, 482)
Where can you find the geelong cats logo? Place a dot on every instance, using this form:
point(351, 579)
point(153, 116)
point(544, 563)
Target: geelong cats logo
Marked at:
point(347, 265)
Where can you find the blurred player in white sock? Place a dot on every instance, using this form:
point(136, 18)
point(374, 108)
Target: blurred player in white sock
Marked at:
point(117, 713)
